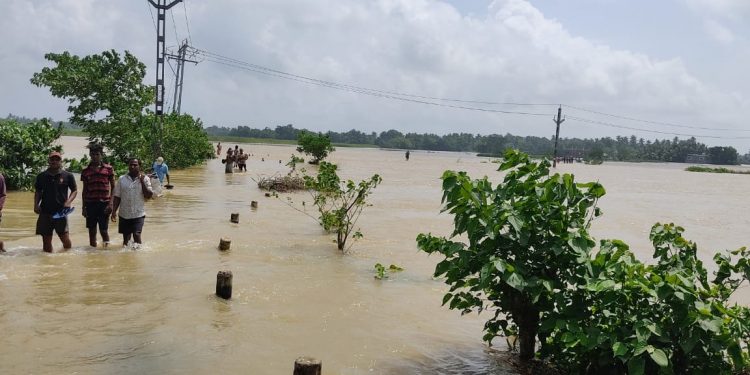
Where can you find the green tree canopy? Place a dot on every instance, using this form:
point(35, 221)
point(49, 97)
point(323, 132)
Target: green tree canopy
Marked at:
point(316, 145)
point(108, 98)
point(24, 150)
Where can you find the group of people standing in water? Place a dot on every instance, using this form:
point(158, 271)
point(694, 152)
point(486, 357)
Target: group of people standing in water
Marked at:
point(104, 197)
point(235, 159)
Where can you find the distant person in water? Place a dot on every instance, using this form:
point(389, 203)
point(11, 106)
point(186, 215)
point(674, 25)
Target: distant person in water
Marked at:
point(242, 160)
point(407, 155)
point(3, 194)
point(98, 183)
point(161, 169)
point(229, 162)
point(55, 191)
point(218, 149)
point(236, 154)
point(130, 196)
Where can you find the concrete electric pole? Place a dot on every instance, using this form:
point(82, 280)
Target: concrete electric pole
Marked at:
point(179, 76)
point(559, 120)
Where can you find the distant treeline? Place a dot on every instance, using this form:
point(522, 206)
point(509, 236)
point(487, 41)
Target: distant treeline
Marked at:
point(618, 148)
point(26, 120)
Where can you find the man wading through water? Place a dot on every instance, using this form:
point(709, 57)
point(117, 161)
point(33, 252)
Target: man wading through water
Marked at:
point(130, 196)
point(52, 203)
point(98, 183)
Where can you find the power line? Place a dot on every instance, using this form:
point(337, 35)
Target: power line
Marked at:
point(292, 77)
point(174, 25)
point(648, 130)
point(652, 122)
point(152, 15)
point(187, 24)
point(229, 59)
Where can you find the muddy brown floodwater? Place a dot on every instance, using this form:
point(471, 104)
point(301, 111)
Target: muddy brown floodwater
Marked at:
point(152, 310)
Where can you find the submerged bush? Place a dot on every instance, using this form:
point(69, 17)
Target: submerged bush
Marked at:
point(532, 265)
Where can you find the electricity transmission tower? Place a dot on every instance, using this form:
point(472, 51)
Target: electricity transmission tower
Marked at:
point(179, 75)
point(161, 11)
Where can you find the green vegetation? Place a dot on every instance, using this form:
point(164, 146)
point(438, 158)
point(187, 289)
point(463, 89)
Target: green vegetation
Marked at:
point(531, 263)
point(24, 150)
point(316, 145)
point(107, 100)
point(382, 273)
point(339, 203)
point(527, 239)
point(696, 168)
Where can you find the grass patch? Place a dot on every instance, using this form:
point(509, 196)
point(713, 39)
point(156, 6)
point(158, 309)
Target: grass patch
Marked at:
point(697, 168)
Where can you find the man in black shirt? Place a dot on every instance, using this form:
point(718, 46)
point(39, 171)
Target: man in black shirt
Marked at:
point(52, 202)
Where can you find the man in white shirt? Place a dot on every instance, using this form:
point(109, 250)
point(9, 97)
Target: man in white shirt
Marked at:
point(130, 196)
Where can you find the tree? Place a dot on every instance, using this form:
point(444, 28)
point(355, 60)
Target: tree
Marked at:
point(24, 150)
point(340, 203)
point(108, 98)
point(723, 155)
point(316, 145)
point(527, 238)
point(103, 84)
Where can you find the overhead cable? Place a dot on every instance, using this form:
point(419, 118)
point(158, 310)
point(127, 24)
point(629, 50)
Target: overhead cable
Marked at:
point(652, 122)
point(274, 73)
point(647, 130)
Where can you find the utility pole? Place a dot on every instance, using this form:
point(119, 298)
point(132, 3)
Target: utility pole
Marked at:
point(559, 120)
point(161, 11)
point(180, 75)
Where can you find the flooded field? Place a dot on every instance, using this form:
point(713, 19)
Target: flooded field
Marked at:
point(153, 310)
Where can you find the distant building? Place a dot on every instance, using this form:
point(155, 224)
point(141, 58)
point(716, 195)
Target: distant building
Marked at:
point(696, 158)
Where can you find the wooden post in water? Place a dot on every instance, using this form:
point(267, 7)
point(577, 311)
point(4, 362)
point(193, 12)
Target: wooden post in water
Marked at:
point(254, 204)
point(224, 284)
point(224, 244)
point(235, 217)
point(307, 366)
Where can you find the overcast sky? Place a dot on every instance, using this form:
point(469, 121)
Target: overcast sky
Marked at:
point(679, 66)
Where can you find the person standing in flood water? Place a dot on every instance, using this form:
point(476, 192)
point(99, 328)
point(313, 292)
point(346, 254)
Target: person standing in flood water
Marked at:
point(3, 194)
point(52, 202)
point(407, 155)
point(218, 149)
point(98, 183)
point(130, 196)
point(229, 162)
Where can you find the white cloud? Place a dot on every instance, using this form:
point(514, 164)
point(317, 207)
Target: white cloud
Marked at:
point(718, 32)
point(729, 9)
point(514, 53)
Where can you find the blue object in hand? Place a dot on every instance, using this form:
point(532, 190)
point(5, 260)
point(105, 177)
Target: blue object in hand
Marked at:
point(63, 213)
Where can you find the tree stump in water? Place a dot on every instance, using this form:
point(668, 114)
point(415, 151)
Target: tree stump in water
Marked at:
point(254, 204)
point(224, 284)
point(235, 218)
point(307, 366)
point(224, 243)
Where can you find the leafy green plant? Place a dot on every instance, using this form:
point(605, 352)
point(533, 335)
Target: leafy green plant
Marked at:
point(293, 161)
point(24, 149)
point(527, 238)
point(339, 203)
point(667, 317)
point(382, 273)
point(316, 145)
